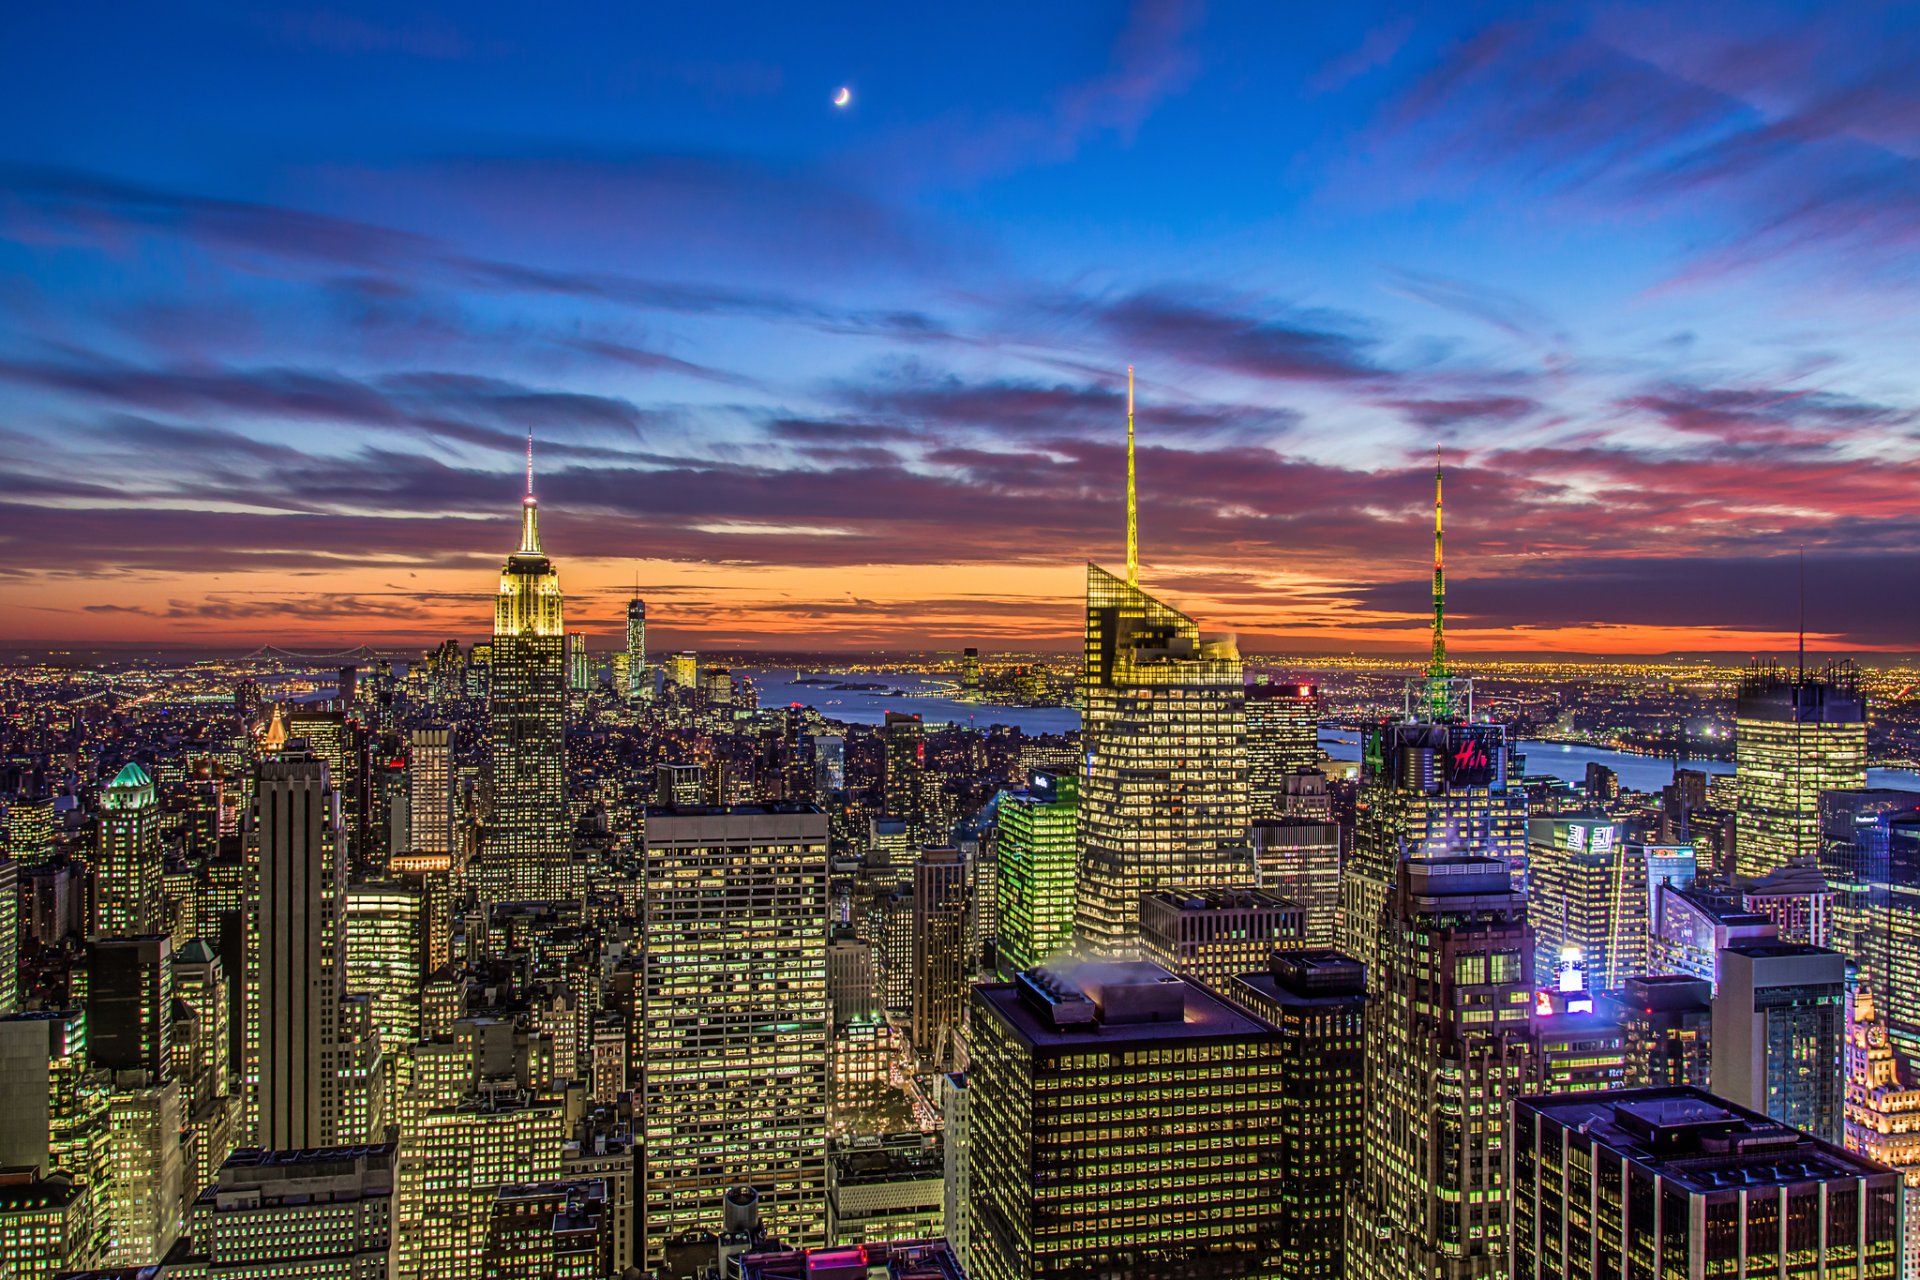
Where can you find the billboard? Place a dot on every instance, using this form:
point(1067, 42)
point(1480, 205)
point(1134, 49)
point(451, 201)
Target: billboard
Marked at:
point(1473, 754)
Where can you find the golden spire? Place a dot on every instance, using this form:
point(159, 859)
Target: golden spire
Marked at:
point(1133, 509)
point(529, 511)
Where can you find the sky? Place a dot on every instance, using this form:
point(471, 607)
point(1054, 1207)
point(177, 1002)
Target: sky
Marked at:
point(282, 290)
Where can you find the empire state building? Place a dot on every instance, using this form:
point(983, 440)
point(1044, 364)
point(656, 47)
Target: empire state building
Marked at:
point(524, 853)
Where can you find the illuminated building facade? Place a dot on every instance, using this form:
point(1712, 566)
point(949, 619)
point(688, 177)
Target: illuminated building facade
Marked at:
point(639, 675)
point(384, 946)
point(523, 855)
point(1668, 1023)
point(1299, 859)
point(683, 669)
point(1651, 1183)
point(1851, 851)
point(127, 882)
point(1449, 1044)
point(1037, 848)
point(904, 778)
point(1883, 1111)
point(940, 959)
point(734, 1019)
point(1283, 735)
point(1694, 925)
point(430, 809)
point(1587, 895)
point(43, 1225)
point(1212, 936)
point(54, 1118)
point(1122, 1123)
point(891, 1188)
point(579, 665)
point(1317, 1001)
point(1779, 1029)
point(1882, 914)
point(559, 1230)
point(452, 1162)
point(320, 1212)
point(1163, 800)
point(1794, 738)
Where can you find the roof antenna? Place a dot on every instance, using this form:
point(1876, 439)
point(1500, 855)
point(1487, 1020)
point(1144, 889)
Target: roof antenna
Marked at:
point(529, 464)
point(1803, 614)
point(1133, 510)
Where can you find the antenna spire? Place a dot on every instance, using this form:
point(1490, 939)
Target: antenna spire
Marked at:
point(1133, 508)
point(1437, 668)
point(529, 511)
point(529, 464)
point(1803, 614)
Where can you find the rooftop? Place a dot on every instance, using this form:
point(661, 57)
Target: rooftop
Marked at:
point(1079, 992)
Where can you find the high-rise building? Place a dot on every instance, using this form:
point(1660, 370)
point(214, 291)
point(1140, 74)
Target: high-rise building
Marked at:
point(130, 1005)
point(890, 1188)
point(1668, 1022)
point(1163, 800)
point(1037, 850)
point(1317, 1000)
point(127, 881)
point(734, 1018)
point(1694, 925)
point(550, 1231)
point(1283, 736)
point(53, 1118)
point(523, 855)
point(904, 775)
point(1212, 936)
point(430, 809)
point(385, 944)
point(1779, 1028)
point(324, 1211)
point(301, 981)
point(145, 1119)
point(1651, 1183)
point(1449, 1044)
point(829, 764)
point(683, 669)
point(639, 675)
point(1299, 859)
point(940, 959)
point(45, 1225)
point(9, 935)
point(1795, 736)
point(1849, 861)
point(1877, 913)
point(1883, 1110)
point(1587, 898)
point(1123, 1123)
point(579, 665)
point(716, 687)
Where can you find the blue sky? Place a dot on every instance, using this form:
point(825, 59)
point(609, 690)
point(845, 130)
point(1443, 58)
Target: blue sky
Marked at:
point(282, 289)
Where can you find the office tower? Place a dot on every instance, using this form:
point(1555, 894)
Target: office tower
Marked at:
point(850, 979)
point(1795, 736)
point(1668, 1022)
point(53, 1118)
point(324, 1211)
point(1164, 797)
point(734, 1018)
point(940, 960)
point(1849, 865)
point(639, 676)
point(1212, 936)
point(1449, 1043)
point(1037, 850)
point(1299, 859)
point(144, 1118)
point(385, 946)
point(579, 666)
point(970, 668)
point(682, 786)
point(1317, 1000)
point(127, 881)
point(683, 669)
point(1883, 1111)
point(887, 1188)
point(893, 951)
point(1587, 895)
point(200, 982)
point(524, 849)
point(430, 812)
point(30, 829)
point(956, 1114)
point(716, 687)
point(130, 1005)
point(829, 764)
point(1779, 1024)
point(1695, 925)
point(1796, 898)
point(1283, 735)
point(1124, 1123)
point(1872, 839)
point(550, 1230)
point(1666, 864)
point(43, 1225)
point(1578, 1049)
point(303, 898)
point(9, 936)
point(904, 772)
point(1678, 1182)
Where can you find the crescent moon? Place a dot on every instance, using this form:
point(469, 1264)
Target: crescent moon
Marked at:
point(843, 97)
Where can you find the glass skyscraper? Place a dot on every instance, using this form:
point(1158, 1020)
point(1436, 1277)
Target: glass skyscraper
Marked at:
point(127, 884)
point(639, 677)
point(523, 854)
point(1163, 799)
point(1795, 736)
point(1037, 852)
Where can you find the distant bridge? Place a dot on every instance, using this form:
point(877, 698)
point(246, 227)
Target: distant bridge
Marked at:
point(274, 653)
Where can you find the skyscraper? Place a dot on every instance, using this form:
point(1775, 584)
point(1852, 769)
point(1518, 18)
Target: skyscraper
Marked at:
point(524, 853)
point(940, 959)
point(1779, 1030)
point(1433, 785)
point(1851, 844)
point(1795, 736)
point(1283, 735)
point(1037, 849)
point(127, 884)
point(904, 780)
point(1299, 859)
point(1587, 898)
point(430, 788)
point(130, 1005)
point(579, 665)
point(9, 935)
point(1650, 1183)
point(639, 675)
point(302, 981)
point(1212, 936)
point(734, 1020)
point(1122, 1123)
point(1449, 1043)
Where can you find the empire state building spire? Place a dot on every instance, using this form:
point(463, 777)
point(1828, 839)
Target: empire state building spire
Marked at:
point(529, 512)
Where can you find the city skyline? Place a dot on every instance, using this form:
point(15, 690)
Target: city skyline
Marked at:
point(853, 377)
